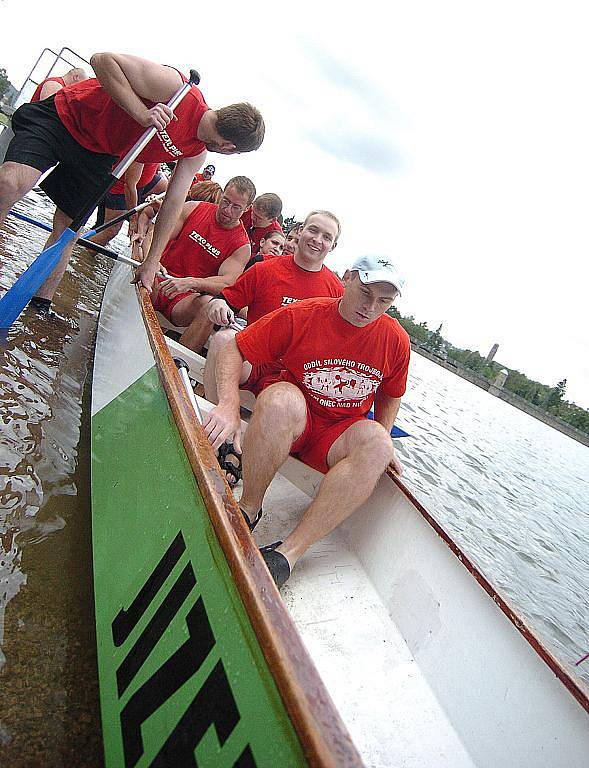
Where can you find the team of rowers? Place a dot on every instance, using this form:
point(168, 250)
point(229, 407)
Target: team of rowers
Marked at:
point(318, 352)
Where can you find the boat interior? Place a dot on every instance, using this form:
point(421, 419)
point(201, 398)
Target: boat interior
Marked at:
point(410, 647)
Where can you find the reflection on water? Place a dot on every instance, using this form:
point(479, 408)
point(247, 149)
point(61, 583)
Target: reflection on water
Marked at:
point(49, 713)
point(513, 493)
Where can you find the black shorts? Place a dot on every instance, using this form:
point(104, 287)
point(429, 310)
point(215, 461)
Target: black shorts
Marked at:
point(117, 202)
point(41, 141)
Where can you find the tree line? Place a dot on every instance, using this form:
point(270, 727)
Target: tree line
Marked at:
point(549, 399)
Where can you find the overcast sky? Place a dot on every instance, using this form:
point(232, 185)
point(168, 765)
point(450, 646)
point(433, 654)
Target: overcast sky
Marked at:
point(454, 137)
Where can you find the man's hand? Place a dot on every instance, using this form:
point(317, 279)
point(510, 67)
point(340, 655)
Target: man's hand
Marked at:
point(145, 274)
point(133, 227)
point(219, 312)
point(396, 465)
point(175, 285)
point(159, 116)
point(222, 424)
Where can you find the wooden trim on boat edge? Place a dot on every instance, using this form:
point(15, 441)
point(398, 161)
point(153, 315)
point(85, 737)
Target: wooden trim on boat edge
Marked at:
point(322, 734)
point(556, 667)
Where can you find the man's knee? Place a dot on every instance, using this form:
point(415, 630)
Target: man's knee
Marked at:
point(368, 440)
point(283, 403)
point(220, 340)
point(13, 185)
point(376, 443)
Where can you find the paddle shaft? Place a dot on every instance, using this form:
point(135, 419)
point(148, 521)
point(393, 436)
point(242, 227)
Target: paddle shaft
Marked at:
point(183, 369)
point(125, 215)
point(131, 155)
point(81, 241)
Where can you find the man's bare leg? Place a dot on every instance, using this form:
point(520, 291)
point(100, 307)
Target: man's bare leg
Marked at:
point(16, 180)
point(104, 237)
point(61, 222)
point(280, 412)
point(357, 459)
point(199, 326)
point(219, 340)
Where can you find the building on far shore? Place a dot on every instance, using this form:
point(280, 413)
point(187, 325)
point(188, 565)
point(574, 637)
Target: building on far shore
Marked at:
point(492, 352)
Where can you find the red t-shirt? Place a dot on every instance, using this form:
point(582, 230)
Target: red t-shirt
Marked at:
point(202, 244)
point(37, 94)
point(337, 366)
point(100, 125)
point(275, 283)
point(147, 174)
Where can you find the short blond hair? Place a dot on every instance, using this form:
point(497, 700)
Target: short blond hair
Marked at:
point(329, 215)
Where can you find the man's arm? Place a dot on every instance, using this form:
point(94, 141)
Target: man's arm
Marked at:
point(130, 181)
point(224, 422)
point(128, 79)
point(168, 216)
point(229, 271)
point(49, 89)
point(386, 409)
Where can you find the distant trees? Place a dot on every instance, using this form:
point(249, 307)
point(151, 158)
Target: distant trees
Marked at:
point(550, 399)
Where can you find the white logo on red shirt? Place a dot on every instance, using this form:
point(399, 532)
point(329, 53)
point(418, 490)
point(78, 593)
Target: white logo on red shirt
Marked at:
point(288, 300)
point(342, 384)
point(168, 144)
point(205, 244)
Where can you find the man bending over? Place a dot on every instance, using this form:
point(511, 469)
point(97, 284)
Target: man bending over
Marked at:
point(87, 126)
point(339, 357)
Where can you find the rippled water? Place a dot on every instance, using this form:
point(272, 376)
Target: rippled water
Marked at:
point(513, 492)
point(49, 714)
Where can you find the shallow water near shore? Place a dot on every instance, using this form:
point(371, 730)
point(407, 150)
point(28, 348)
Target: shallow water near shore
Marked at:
point(511, 490)
point(50, 706)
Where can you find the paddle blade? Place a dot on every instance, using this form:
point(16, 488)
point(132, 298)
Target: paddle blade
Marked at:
point(16, 298)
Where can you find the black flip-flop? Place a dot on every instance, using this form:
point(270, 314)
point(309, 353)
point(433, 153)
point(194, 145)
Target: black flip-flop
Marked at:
point(252, 524)
point(276, 563)
point(231, 468)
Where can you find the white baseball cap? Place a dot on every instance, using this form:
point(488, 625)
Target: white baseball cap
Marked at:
point(375, 268)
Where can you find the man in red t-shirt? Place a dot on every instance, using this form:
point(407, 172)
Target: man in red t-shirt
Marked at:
point(87, 126)
point(261, 218)
point(339, 357)
point(51, 85)
point(270, 285)
point(207, 252)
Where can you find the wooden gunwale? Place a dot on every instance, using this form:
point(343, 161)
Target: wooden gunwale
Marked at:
point(322, 734)
point(573, 687)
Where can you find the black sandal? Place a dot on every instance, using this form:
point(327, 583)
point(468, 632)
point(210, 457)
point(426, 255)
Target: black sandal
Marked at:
point(231, 468)
point(276, 563)
point(251, 525)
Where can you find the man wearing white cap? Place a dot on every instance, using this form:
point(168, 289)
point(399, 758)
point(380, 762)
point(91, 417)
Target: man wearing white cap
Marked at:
point(340, 356)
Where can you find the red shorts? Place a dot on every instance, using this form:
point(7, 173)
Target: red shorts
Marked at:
point(320, 434)
point(164, 304)
point(261, 377)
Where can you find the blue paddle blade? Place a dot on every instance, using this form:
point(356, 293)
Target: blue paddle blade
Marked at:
point(16, 298)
